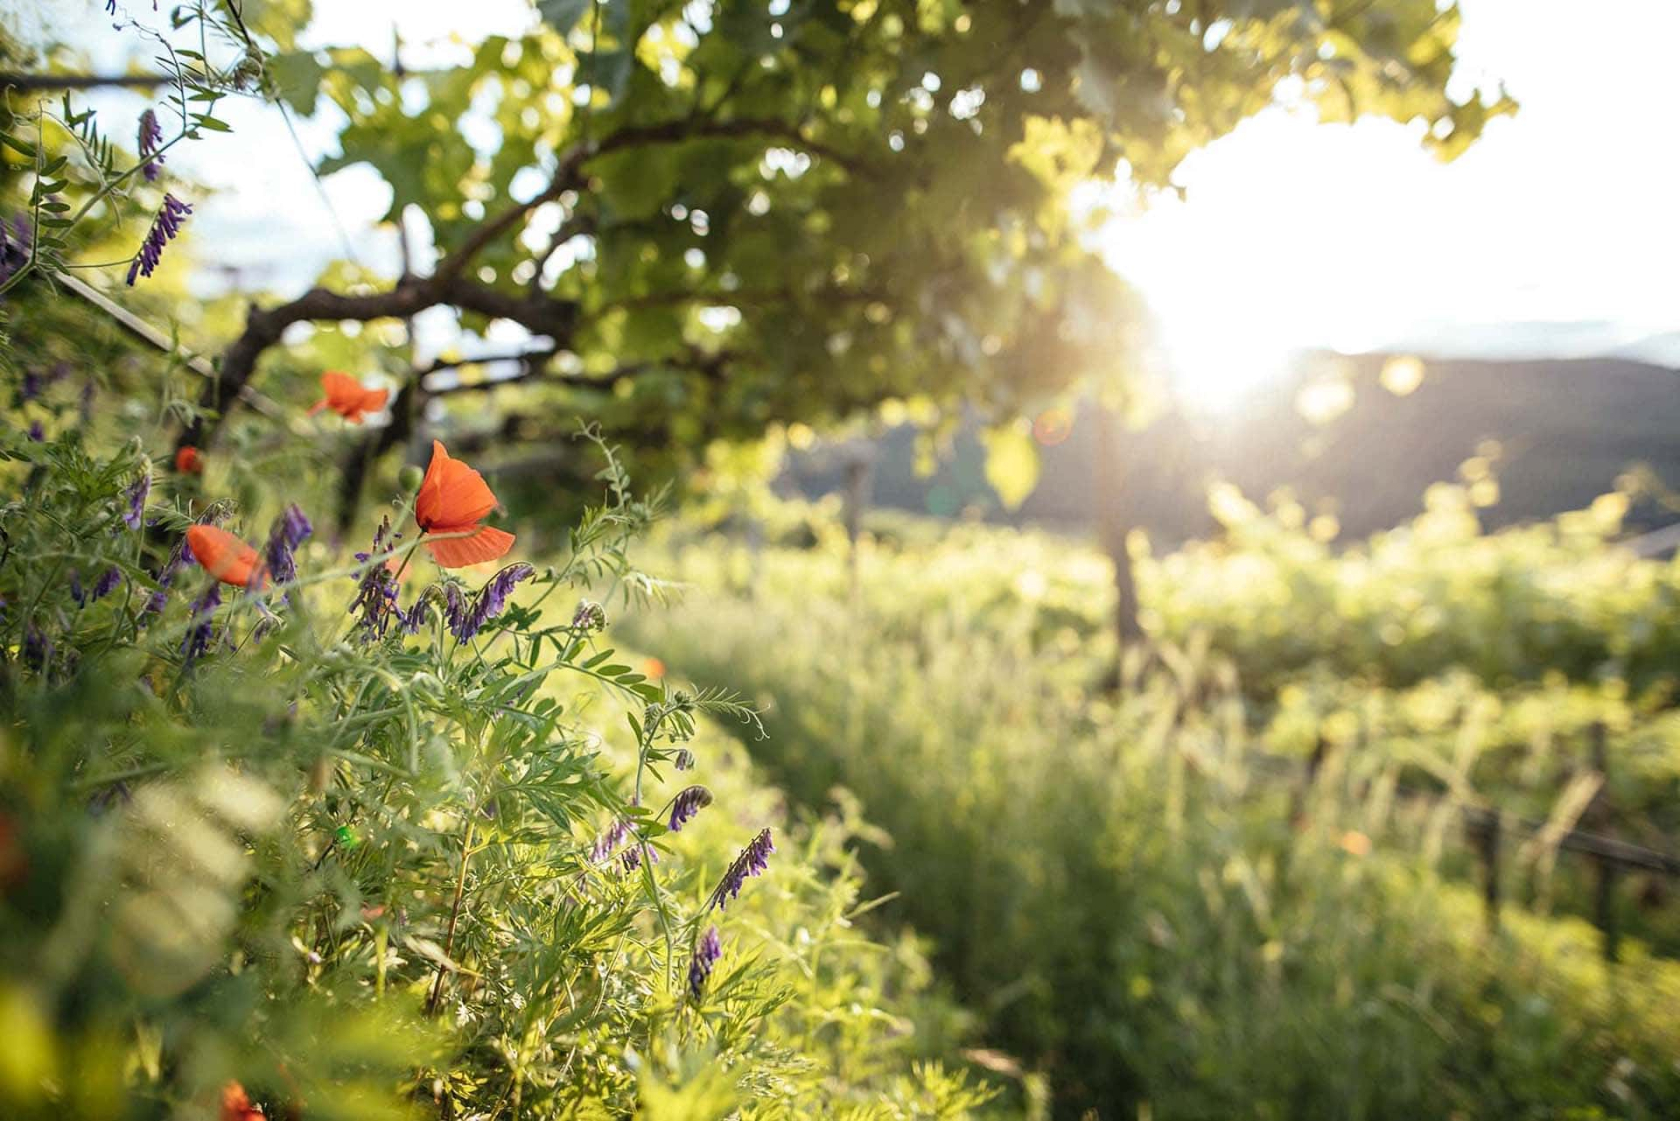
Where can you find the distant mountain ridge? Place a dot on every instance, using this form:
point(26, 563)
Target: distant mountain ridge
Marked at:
point(1565, 429)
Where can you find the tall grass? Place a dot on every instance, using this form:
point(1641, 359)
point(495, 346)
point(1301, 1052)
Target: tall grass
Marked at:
point(1110, 883)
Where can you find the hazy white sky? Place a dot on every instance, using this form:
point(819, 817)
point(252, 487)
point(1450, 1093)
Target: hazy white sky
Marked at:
point(1558, 233)
point(1555, 234)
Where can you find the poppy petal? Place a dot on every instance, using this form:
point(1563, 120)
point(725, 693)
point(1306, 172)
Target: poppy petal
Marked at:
point(339, 387)
point(223, 555)
point(486, 544)
point(426, 498)
point(452, 494)
point(374, 399)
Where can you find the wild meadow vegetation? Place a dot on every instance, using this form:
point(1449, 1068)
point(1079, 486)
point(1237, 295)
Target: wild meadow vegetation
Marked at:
point(1111, 872)
point(343, 835)
point(389, 728)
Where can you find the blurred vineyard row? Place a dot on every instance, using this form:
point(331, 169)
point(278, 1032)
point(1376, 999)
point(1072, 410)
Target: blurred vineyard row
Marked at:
point(1110, 874)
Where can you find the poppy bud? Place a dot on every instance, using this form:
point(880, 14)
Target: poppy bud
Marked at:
point(409, 478)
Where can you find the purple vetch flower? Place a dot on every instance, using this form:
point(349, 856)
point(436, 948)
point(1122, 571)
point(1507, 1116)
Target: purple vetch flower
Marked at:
point(77, 592)
point(589, 616)
point(706, 955)
point(685, 759)
point(467, 619)
point(455, 606)
point(87, 401)
point(632, 856)
point(202, 631)
point(290, 530)
point(690, 802)
point(179, 558)
point(412, 620)
point(31, 378)
point(609, 841)
point(102, 801)
point(36, 432)
point(15, 243)
point(163, 231)
point(375, 604)
point(151, 135)
point(37, 648)
point(138, 492)
point(755, 858)
point(107, 582)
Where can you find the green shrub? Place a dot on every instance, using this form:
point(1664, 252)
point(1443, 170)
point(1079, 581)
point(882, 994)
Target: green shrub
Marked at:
point(359, 871)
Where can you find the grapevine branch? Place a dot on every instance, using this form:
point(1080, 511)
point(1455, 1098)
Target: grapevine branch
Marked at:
point(537, 312)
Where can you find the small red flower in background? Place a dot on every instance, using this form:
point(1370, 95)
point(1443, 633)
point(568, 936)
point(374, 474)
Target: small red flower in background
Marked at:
point(223, 555)
point(189, 460)
point(348, 397)
point(453, 498)
point(14, 860)
point(236, 1106)
point(654, 668)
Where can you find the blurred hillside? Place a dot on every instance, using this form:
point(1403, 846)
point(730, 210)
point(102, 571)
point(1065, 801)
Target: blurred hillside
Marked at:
point(1554, 434)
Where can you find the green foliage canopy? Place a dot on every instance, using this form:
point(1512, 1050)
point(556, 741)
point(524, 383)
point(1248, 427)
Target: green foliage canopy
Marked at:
point(717, 216)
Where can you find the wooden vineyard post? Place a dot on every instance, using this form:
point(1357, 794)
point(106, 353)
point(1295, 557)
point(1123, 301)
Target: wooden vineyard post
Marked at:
point(859, 468)
point(1598, 812)
point(1302, 795)
point(1485, 835)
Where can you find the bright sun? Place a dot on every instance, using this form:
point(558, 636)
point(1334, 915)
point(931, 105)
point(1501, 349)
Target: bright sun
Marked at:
point(1263, 257)
point(1292, 235)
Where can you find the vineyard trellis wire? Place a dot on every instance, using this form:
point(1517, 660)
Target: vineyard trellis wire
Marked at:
point(1488, 826)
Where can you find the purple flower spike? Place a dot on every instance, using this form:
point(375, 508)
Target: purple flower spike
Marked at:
point(163, 231)
point(37, 433)
point(138, 492)
point(202, 632)
point(416, 616)
point(179, 558)
point(466, 620)
point(589, 616)
point(289, 531)
point(690, 802)
point(706, 955)
point(77, 592)
point(37, 649)
point(754, 859)
point(375, 604)
point(15, 245)
point(609, 841)
point(151, 135)
point(107, 583)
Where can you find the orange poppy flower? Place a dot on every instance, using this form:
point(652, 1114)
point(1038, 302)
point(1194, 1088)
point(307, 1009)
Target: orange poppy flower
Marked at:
point(454, 498)
point(223, 555)
point(236, 1105)
point(189, 460)
point(1355, 843)
point(348, 397)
